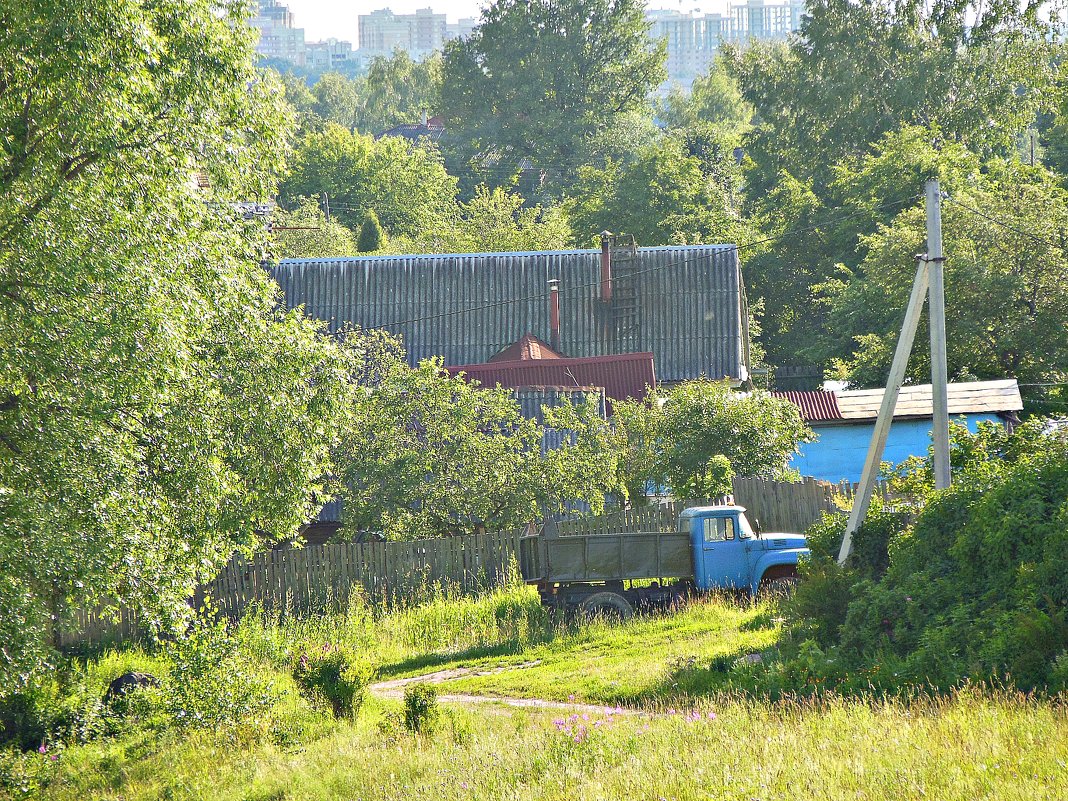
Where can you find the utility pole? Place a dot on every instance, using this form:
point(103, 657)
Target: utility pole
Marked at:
point(937, 310)
point(1032, 138)
point(886, 410)
point(326, 205)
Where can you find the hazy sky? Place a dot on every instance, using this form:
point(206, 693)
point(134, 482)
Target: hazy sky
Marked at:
point(322, 19)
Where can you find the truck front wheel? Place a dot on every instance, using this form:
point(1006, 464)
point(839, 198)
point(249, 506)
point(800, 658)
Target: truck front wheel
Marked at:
point(606, 604)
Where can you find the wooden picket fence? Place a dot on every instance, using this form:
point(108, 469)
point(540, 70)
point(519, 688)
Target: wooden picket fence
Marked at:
point(324, 577)
point(320, 578)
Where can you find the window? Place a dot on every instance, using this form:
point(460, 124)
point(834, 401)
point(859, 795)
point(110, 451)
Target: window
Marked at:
point(719, 529)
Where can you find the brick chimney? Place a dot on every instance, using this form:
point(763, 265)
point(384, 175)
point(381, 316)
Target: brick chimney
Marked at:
point(554, 314)
point(606, 266)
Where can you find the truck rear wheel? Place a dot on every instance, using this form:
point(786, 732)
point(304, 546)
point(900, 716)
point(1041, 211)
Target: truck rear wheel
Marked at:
point(606, 604)
point(778, 588)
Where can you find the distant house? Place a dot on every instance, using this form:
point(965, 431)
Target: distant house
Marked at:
point(844, 423)
point(684, 305)
point(432, 128)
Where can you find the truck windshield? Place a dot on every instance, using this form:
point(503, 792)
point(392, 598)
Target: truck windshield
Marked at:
point(747, 530)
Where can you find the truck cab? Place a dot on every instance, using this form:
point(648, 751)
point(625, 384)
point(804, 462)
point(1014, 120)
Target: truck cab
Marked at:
point(728, 553)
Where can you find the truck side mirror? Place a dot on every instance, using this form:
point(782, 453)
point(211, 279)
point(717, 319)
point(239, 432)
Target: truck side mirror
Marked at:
point(756, 525)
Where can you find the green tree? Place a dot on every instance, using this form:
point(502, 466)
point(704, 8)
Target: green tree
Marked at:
point(715, 98)
point(538, 78)
point(398, 90)
point(157, 408)
point(405, 184)
point(372, 237)
point(305, 233)
point(701, 420)
point(337, 99)
point(859, 70)
point(1006, 282)
point(429, 455)
point(493, 220)
point(662, 195)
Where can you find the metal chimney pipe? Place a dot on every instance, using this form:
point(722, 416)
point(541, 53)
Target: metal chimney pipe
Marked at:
point(554, 314)
point(606, 266)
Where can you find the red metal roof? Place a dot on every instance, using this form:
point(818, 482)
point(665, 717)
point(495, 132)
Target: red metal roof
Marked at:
point(623, 376)
point(814, 406)
point(528, 348)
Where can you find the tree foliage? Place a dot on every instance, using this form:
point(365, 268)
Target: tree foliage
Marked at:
point(405, 184)
point(372, 237)
point(493, 220)
point(662, 194)
point(537, 78)
point(700, 434)
point(157, 409)
point(1006, 271)
point(306, 233)
point(429, 455)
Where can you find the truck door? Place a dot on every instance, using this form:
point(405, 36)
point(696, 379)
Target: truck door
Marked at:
point(724, 553)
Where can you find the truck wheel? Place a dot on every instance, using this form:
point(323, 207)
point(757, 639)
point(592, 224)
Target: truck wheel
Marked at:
point(778, 588)
point(606, 604)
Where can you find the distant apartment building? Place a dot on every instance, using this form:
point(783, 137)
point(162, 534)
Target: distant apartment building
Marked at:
point(421, 33)
point(329, 55)
point(461, 29)
point(279, 37)
point(693, 39)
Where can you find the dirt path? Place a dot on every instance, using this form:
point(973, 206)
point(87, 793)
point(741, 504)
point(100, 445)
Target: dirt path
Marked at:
point(394, 689)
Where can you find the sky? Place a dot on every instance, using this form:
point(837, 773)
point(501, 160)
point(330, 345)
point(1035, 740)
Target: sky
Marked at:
point(322, 19)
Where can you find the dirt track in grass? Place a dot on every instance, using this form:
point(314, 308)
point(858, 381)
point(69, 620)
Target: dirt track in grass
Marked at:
point(394, 689)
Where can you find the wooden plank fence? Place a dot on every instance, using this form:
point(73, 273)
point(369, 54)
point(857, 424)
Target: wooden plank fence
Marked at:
point(325, 577)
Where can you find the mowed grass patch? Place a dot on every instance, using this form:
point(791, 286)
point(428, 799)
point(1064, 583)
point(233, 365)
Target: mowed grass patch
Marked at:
point(959, 748)
point(625, 663)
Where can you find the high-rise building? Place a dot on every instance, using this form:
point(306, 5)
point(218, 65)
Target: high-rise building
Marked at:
point(329, 55)
point(460, 29)
point(693, 39)
point(279, 37)
point(421, 33)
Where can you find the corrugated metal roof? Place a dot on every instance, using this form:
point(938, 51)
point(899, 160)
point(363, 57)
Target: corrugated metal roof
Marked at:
point(814, 406)
point(990, 397)
point(468, 307)
point(624, 376)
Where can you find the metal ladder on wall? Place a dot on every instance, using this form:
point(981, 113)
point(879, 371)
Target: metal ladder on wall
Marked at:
point(625, 318)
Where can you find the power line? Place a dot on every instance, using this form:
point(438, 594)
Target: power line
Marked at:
point(1005, 225)
point(677, 263)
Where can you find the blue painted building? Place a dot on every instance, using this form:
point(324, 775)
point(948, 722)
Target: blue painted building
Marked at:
point(844, 422)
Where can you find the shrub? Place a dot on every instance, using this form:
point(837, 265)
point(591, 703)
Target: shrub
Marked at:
point(372, 237)
point(210, 685)
point(420, 708)
point(333, 675)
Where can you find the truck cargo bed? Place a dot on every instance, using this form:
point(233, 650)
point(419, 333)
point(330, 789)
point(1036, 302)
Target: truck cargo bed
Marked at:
point(605, 557)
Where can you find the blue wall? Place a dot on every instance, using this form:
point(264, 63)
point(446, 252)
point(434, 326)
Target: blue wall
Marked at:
point(840, 450)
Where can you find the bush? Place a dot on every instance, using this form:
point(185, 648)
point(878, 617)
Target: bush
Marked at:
point(372, 237)
point(333, 675)
point(210, 685)
point(976, 589)
point(420, 708)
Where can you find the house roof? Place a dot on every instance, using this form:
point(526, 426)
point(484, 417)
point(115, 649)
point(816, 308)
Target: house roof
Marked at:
point(684, 304)
point(527, 348)
point(975, 397)
point(814, 406)
point(433, 130)
point(623, 376)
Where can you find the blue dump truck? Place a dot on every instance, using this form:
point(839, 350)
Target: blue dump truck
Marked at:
point(714, 548)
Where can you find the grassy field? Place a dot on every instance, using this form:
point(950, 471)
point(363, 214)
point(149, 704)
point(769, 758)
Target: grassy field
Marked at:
point(688, 739)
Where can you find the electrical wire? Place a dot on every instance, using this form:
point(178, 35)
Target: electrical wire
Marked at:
point(1004, 224)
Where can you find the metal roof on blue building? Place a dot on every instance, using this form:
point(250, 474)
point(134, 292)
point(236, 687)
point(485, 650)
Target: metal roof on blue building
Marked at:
point(689, 303)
